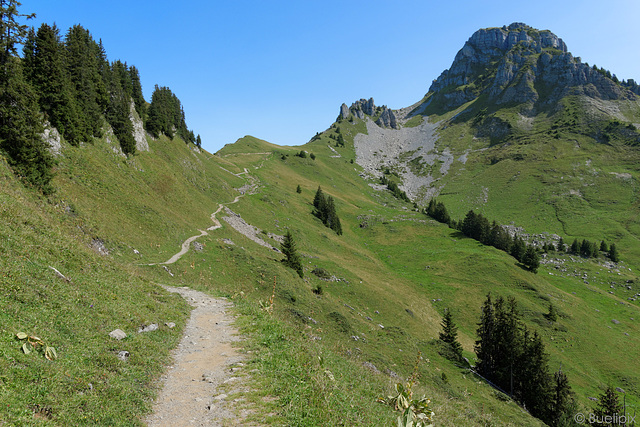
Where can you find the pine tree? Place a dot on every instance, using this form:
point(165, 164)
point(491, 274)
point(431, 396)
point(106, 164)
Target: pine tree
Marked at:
point(608, 406)
point(198, 141)
point(561, 245)
point(485, 345)
point(21, 128)
point(317, 199)
point(604, 247)
point(518, 248)
point(12, 33)
point(575, 247)
point(535, 379)
point(562, 405)
point(449, 334)
point(291, 258)
point(117, 112)
point(298, 189)
point(531, 259)
point(89, 73)
point(44, 62)
point(613, 253)
point(20, 125)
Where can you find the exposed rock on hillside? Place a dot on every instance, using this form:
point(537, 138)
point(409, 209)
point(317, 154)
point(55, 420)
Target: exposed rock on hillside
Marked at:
point(363, 108)
point(509, 63)
point(139, 134)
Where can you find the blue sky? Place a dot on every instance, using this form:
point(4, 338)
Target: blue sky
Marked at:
point(279, 70)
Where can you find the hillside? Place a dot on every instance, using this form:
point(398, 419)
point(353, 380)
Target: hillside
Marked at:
point(324, 347)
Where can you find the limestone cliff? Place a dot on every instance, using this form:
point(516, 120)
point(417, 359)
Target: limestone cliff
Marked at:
point(510, 64)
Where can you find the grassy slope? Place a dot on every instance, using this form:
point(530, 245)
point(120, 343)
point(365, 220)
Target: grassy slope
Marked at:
point(396, 266)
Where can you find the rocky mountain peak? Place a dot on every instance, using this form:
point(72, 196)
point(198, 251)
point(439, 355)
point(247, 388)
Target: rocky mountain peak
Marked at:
point(506, 64)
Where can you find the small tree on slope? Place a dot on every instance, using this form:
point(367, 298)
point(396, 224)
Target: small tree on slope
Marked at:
point(291, 257)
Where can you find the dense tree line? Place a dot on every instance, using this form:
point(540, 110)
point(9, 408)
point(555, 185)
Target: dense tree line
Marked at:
point(476, 226)
point(68, 82)
point(514, 359)
point(325, 209)
point(166, 116)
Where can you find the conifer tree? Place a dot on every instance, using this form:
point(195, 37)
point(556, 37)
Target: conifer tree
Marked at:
point(117, 112)
point(562, 408)
point(317, 199)
point(485, 345)
point(531, 259)
point(298, 189)
point(518, 248)
point(613, 253)
point(21, 128)
point(535, 380)
point(89, 73)
point(449, 334)
point(575, 247)
point(44, 62)
point(291, 257)
point(561, 245)
point(20, 125)
point(603, 246)
point(608, 406)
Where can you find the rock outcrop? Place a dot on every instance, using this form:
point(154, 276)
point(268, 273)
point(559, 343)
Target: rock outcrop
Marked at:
point(387, 119)
point(139, 134)
point(508, 63)
point(51, 138)
point(367, 107)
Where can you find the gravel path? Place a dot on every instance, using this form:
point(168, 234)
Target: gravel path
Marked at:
point(204, 360)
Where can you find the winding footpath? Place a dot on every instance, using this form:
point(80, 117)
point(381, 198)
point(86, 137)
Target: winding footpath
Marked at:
point(206, 367)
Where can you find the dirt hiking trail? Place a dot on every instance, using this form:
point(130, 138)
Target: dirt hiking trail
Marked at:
point(204, 360)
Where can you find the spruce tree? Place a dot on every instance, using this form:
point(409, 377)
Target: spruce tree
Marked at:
point(518, 248)
point(21, 128)
point(562, 405)
point(603, 246)
point(608, 406)
point(485, 345)
point(118, 109)
point(449, 334)
point(535, 379)
point(298, 189)
point(44, 61)
point(613, 253)
point(89, 73)
point(531, 259)
point(291, 257)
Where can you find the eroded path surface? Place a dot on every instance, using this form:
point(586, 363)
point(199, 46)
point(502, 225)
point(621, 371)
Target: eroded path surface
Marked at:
point(204, 361)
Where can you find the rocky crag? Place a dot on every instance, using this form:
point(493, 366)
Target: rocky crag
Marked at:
point(510, 65)
point(496, 87)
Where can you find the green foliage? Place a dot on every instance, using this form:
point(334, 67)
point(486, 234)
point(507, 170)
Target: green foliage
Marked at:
point(33, 343)
point(89, 72)
point(516, 361)
point(117, 112)
point(291, 257)
point(608, 407)
point(393, 187)
point(12, 33)
point(166, 115)
point(325, 210)
point(21, 129)
point(613, 253)
point(413, 412)
point(449, 334)
point(44, 62)
point(298, 189)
